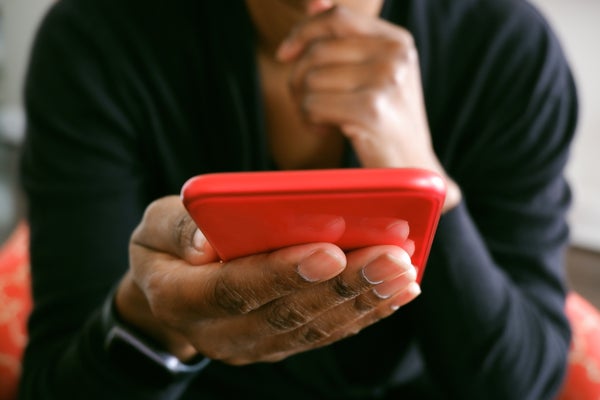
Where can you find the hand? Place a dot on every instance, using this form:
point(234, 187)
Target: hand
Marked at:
point(259, 308)
point(361, 75)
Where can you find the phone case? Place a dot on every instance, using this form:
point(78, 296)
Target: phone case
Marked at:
point(243, 213)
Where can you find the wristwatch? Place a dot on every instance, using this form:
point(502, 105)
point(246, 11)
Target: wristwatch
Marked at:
point(137, 354)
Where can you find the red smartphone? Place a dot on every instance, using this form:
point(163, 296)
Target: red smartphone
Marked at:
point(243, 213)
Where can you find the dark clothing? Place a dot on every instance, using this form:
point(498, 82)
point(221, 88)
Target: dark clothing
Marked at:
point(126, 99)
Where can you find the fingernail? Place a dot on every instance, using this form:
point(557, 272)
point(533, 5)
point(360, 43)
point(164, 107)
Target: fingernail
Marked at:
point(409, 247)
point(413, 290)
point(387, 289)
point(199, 241)
point(386, 267)
point(398, 228)
point(318, 266)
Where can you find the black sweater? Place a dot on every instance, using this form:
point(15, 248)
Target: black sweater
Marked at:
point(126, 99)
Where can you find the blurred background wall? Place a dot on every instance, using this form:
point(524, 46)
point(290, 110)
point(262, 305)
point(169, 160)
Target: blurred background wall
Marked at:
point(576, 22)
point(18, 20)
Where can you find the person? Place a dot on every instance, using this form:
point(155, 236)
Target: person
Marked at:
point(127, 99)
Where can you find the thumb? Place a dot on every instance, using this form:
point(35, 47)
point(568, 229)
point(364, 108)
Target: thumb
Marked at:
point(203, 252)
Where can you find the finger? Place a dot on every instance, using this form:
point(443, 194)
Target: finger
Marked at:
point(368, 309)
point(370, 268)
point(167, 227)
point(311, 317)
point(338, 322)
point(329, 78)
point(343, 61)
point(376, 311)
point(333, 52)
point(335, 22)
point(363, 232)
point(239, 286)
point(308, 228)
point(378, 264)
point(359, 109)
point(409, 246)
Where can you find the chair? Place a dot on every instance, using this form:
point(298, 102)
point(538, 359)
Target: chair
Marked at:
point(15, 305)
point(583, 376)
point(582, 381)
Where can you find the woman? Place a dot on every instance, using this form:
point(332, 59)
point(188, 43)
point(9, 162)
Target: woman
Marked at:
point(128, 99)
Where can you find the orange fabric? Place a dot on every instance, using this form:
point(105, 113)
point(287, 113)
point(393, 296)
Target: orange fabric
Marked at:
point(583, 377)
point(15, 305)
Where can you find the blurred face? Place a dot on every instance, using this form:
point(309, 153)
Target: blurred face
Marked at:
point(303, 7)
point(275, 18)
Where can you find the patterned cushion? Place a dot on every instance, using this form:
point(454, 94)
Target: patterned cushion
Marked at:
point(583, 377)
point(15, 304)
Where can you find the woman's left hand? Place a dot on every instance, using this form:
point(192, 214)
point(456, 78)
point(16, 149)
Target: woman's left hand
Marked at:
point(361, 75)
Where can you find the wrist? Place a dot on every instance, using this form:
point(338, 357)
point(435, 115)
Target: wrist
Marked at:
point(131, 308)
point(140, 356)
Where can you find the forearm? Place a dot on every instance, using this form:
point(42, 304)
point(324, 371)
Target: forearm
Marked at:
point(488, 335)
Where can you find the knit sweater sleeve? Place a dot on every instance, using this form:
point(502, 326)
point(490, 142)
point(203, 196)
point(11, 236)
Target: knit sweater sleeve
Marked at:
point(491, 317)
point(81, 174)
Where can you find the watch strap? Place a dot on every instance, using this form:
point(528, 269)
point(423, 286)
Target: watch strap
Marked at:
point(129, 347)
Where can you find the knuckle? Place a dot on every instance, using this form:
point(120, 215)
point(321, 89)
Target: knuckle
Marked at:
point(218, 354)
point(311, 80)
point(273, 358)
point(402, 52)
point(372, 105)
point(365, 303)
point(316, 51)
point(151, 212)
point(394, 68)
point(312, 334)
point(351, 331)
point(284, 283)
point(158, 294)
point(296, 81)
point(335, 14)
point(232, 300)
point(152, 209)
point(343, 288)
point(184, 230)
point(377, 314)
point(387, 73)
point(282, 317)
point(406, 39)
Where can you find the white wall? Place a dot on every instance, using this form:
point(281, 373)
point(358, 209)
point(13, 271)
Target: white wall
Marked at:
point(19, 21)
point(577, 23)
point(20, 18)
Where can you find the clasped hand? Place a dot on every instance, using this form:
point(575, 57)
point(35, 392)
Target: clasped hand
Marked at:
point(361, 75)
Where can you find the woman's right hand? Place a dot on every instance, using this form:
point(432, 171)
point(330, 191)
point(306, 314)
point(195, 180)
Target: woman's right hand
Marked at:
point(259, 308)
